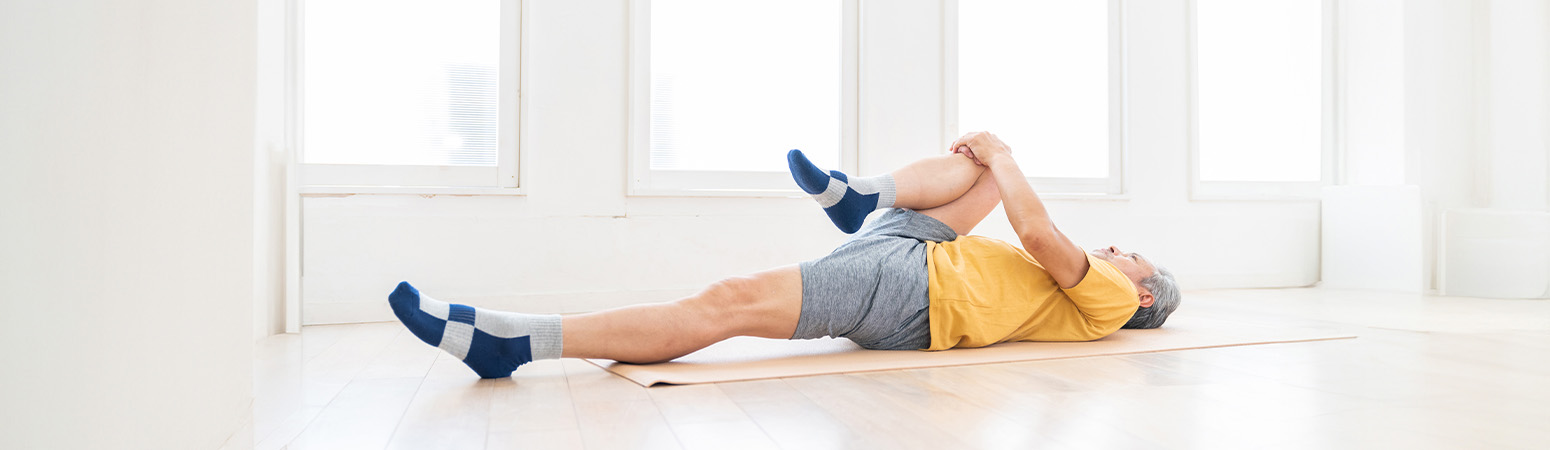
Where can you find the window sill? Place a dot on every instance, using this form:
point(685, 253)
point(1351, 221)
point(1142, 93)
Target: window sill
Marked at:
point(793, 193)
point(429, 191)
point(1066, 196)
point(1262, 191)
point(755, 193)
point(1253, 198)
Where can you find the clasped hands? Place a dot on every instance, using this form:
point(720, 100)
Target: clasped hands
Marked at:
point(982, 147)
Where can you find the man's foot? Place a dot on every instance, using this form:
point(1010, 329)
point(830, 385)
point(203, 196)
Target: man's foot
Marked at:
point(493, 343)
point(847, 201)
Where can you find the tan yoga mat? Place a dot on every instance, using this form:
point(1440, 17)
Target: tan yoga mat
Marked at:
point(749, 358)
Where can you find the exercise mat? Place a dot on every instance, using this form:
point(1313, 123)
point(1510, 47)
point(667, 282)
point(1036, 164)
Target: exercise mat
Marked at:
point(750, 358)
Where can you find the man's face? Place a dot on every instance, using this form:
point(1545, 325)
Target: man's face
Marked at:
point(1134, 266)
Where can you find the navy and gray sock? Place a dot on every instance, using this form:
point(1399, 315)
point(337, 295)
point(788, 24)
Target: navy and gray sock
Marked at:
point(846, 200)
point(493, 343)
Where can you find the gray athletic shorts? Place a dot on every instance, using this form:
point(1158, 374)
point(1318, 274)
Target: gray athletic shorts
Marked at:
point(872, 289)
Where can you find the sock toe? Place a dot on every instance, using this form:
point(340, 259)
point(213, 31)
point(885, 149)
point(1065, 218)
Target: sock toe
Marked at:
point(809, 177)
point(405, 301)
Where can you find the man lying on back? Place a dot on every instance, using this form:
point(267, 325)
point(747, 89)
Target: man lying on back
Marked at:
point(911, 280)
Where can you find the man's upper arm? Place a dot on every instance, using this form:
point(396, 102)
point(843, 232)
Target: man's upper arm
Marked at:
point(1064, 260)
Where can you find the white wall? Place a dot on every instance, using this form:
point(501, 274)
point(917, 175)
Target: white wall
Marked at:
point(271, 159)
point(1438, 54)
point(577, 243)
point(1450, 96)
point(126, 238)
point(1517, 100)
point(1372, 107)
point(1439, 116)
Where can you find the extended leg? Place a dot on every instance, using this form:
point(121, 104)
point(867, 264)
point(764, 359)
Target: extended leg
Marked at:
point(766, 304)
point(494, 343)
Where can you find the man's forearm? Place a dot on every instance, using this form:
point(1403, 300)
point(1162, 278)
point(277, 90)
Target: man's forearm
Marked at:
point(1064, 261)
point(1022, 204)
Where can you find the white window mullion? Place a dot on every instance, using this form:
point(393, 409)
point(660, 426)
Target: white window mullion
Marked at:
point(638, 151)
point(1115, 183)
point(508, 166)
point(1097, 164)
point(406, 94)
point(850, 86)
point(708, 118)
point(1262, 90)
point(397, 175)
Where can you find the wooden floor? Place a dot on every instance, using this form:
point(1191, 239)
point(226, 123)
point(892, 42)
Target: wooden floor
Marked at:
point(1426, 372)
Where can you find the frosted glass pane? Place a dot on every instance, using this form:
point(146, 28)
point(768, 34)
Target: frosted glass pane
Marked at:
point(1036, 73)
point(735, 84)
point(401, 82)
point(1259, 69)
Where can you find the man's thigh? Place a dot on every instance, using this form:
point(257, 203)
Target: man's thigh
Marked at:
point(764, 304)
point(872, 290)
point(968, 210)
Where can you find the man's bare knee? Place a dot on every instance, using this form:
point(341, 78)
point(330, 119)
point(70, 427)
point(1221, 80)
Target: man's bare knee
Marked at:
point(766, 304)
point(727, 303)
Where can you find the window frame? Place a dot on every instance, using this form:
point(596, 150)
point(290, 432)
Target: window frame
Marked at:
point(647, 182)
point(1202, 190)
point(1110, 187)
point(502, 179)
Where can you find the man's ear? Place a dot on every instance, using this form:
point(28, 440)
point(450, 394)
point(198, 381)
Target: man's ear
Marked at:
point(1146, 299)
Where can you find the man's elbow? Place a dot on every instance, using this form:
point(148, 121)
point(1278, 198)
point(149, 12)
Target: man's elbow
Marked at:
point(1036, 239)
point(1034, 245)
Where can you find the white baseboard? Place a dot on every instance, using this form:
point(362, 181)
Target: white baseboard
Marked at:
point(1192, 282)
point(324, 312)
point(1371, 238)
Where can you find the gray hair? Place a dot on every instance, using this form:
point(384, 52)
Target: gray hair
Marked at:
point(1165, 299)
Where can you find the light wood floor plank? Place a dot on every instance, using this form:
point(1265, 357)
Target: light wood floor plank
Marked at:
point(614, 413)
point(789, 418)
point(288, 429)
point(1036, 406)
point(623, 424)
point(450, 411)
point(363, 416)
point(277, 369)
point(324, 375)
point(533, 410)
point(1426, 372)
point(368, 408)
point(882, 421)
point(703, 417)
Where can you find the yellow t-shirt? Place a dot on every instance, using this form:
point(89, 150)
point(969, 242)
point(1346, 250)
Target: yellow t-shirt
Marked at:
point(986, 291)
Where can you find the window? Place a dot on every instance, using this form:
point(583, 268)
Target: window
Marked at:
point(717, 116)
point(1261, 97)
point(1045, 77)
point(412, 93)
